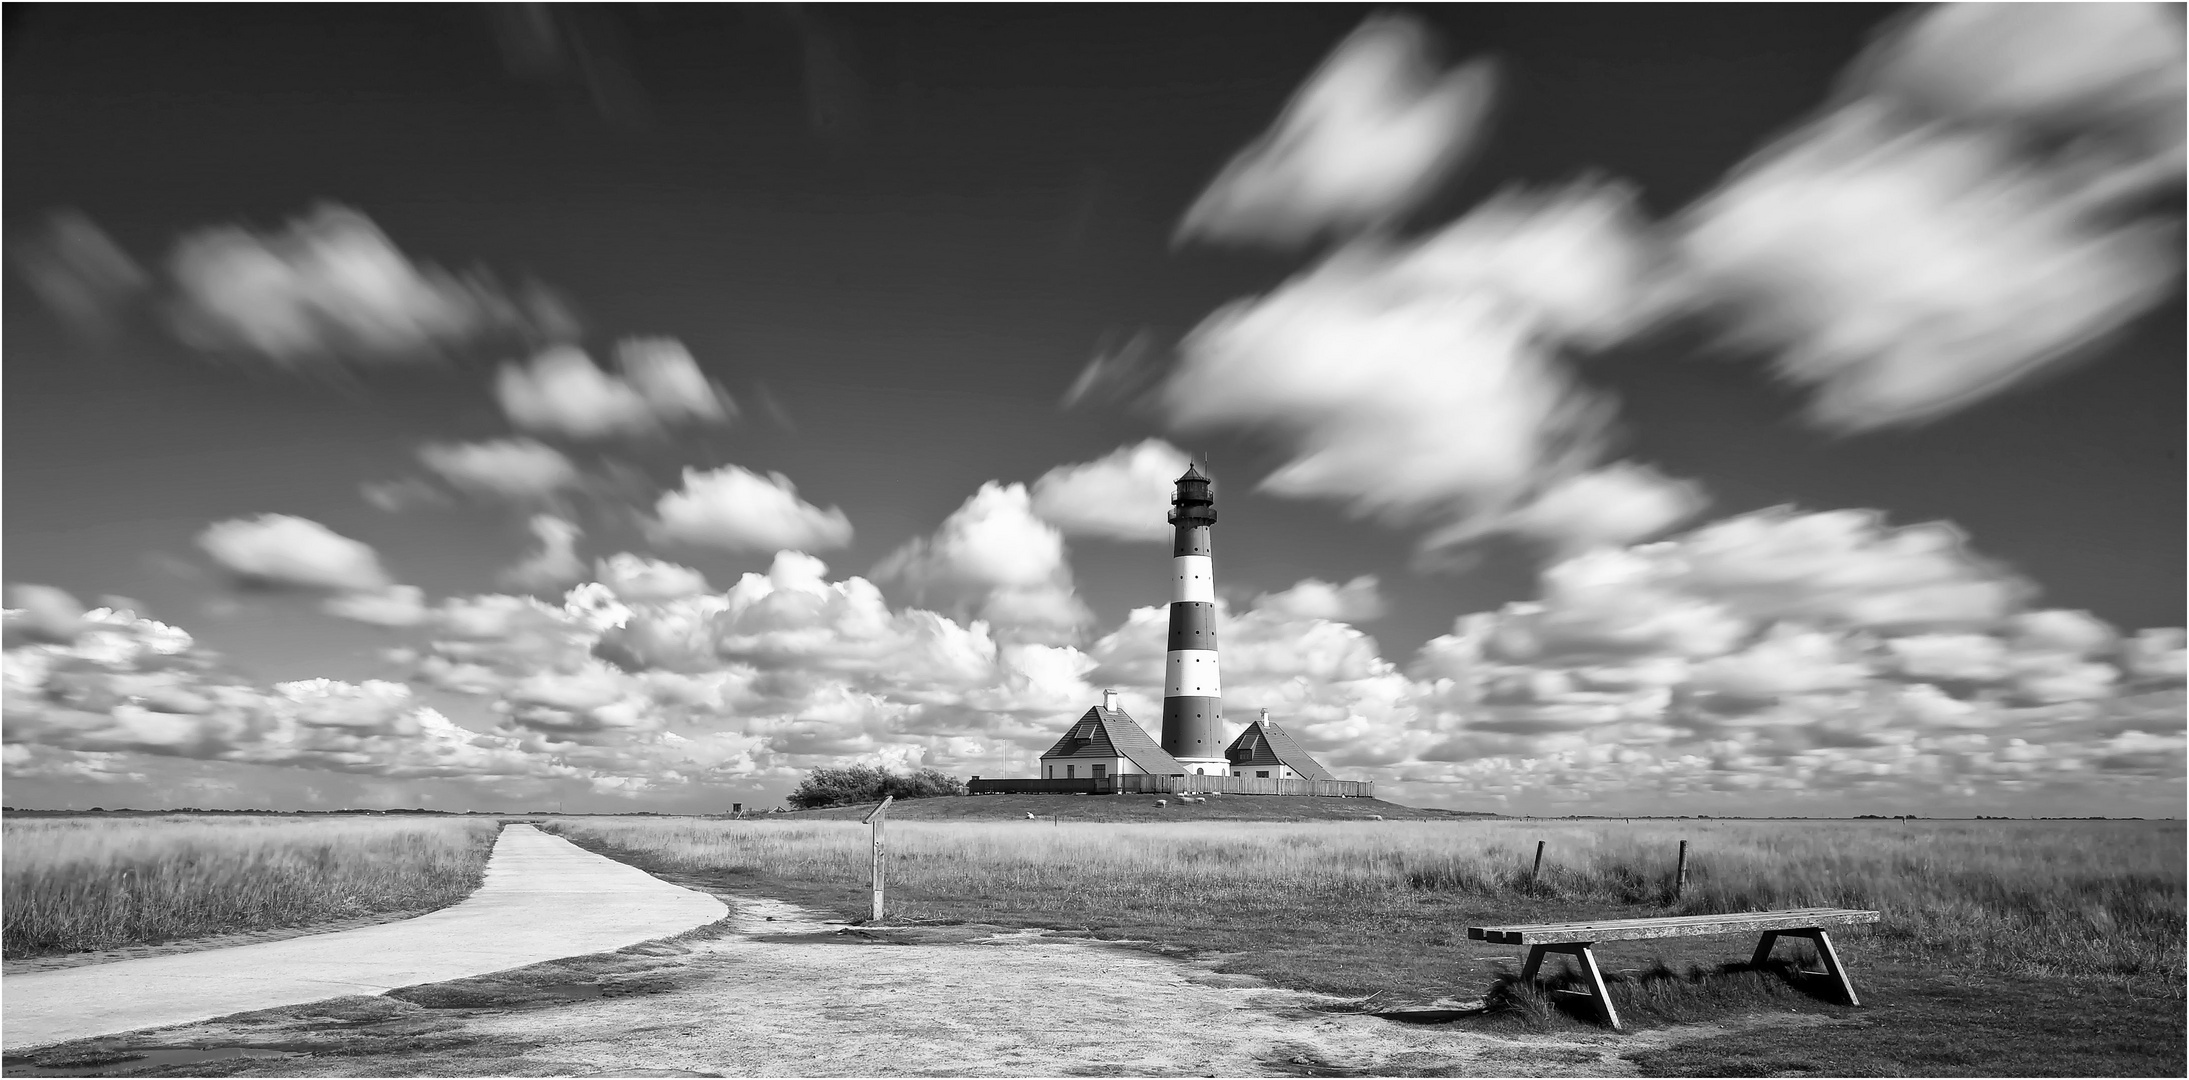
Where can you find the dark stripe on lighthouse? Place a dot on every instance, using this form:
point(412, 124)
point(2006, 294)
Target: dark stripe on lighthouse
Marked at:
point(1193, 626)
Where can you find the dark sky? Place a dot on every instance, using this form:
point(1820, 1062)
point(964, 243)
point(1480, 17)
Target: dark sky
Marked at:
point(895, 235)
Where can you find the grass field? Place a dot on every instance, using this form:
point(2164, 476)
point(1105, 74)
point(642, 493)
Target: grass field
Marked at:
point(2033, 924)
point(87, 883)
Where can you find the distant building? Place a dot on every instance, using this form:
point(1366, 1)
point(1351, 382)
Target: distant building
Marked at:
point(1106, 742)
point(1264, 752)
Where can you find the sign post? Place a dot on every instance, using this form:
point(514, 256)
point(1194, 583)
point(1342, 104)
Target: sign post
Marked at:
point(875, 819)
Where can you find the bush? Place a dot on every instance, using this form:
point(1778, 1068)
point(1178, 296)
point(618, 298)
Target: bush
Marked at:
point(868, 783)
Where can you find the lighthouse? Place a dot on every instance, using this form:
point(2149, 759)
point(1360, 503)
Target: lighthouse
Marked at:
point(1193, 705)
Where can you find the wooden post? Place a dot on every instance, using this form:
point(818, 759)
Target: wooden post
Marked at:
point(875, 819)
point(1679, 877)
point(1538, 861)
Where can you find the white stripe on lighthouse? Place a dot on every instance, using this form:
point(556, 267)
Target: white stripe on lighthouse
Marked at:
point(1193, 578)
point(1190, 673)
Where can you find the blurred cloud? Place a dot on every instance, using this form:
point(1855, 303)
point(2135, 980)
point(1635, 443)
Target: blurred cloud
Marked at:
point(556, 564)
point(1358, 600)
point(331, 287)
point(563, 393)
point(1617, 504)
point(579, 45)
point(1963, 218)
point(42, 613)
point(396, 605)
point(80, 272)
point(1369, 137)
point(635, 578)
point(1123, 495)
point(1117, 373)
point(277, 549)
point(1424, 382)
point(741, 510)
point(516, 469)
point(399, 496)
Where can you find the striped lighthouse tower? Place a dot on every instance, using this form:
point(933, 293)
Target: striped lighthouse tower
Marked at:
point(1193, 706)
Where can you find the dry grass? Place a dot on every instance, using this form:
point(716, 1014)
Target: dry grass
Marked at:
point(2086, 899)
point(74, 884)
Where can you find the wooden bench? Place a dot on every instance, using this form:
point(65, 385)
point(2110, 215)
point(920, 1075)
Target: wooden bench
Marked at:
point(1574, 938)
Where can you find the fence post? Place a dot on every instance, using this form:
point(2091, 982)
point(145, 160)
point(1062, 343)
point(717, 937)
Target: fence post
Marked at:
point(876, 818)
point(1679, 876)
point(1538, 861)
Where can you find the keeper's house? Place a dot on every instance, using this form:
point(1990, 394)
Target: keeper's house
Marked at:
point(1265, 752)
point(1105, 742)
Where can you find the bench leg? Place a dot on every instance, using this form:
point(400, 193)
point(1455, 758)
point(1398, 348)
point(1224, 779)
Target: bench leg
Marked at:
point(1832, 966)
point(1596, 986)
point(1763, 948)
point(1534, 964)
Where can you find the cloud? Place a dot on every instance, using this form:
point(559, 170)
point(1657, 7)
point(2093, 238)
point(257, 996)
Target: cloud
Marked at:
point(1369, 137)
point(332, 287)
point(1748, 659)
point(993, 556)
point(740, 510)
point(563, 393)
point(42, 613)
point(277, 549)
point(1617, 504)
point(398, 496)
point(1357, 600)
point(635, 578)
point(515, 469)
point(556, 563)
point(1962, 219)
point(397, 605)
point(1123, 495)
point(80, 272)
point(1424, 382)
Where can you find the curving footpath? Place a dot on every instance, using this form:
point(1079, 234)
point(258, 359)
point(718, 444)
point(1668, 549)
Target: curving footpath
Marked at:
point(544, 898)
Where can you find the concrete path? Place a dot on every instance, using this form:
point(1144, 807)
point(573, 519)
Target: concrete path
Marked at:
point(544, 898)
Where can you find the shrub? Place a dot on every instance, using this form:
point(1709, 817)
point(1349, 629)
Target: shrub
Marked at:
point(868, 783)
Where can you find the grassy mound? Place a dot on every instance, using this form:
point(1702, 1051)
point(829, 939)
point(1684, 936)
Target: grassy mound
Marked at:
point(1138, 808)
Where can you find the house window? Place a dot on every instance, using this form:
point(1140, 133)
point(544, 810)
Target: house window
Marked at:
point(1048, 772)
point(1071, 772)
point(1200, 772)
point(1264, 774)
point(1095, 771)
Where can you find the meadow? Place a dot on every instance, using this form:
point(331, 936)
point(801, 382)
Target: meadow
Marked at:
point(74, 884)
point(2095, 899)
point(2005, 948)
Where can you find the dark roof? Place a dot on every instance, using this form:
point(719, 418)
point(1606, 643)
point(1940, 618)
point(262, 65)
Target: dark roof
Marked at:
point(1193, 472)
point(1109, 733)
point(1264, 743)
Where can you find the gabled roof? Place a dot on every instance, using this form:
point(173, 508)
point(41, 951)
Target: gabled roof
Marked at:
point(1264, 743)
point(1108, 733)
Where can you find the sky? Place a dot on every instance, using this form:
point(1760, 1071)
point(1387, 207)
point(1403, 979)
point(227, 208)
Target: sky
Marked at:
point(1768, 410)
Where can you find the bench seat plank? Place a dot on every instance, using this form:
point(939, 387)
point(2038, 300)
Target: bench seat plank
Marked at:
point(1669, 926)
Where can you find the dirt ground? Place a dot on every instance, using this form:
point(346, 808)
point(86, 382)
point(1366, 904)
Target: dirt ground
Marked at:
point(777, 991)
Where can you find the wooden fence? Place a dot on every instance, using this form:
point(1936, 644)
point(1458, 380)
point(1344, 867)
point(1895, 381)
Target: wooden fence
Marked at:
point(1144, 784)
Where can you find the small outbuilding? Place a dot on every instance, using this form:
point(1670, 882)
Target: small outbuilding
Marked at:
point(1264, 752)
point(1106, 742)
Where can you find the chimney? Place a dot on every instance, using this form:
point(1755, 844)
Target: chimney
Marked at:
point(1265, 717)
point(1109, 700)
